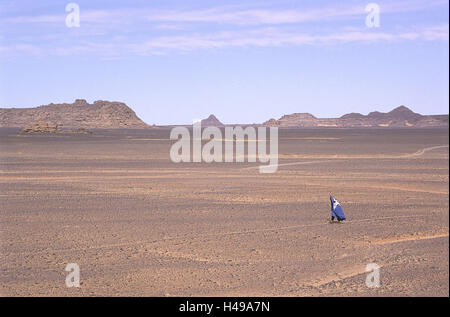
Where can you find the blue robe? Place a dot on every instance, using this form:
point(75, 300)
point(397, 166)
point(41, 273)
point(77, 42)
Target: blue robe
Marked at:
point(336, 209)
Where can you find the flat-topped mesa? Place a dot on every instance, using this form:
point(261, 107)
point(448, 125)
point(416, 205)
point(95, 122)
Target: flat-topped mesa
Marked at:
point(296, 119)
point(398, 117)
point(80, 114)
point(299, 115)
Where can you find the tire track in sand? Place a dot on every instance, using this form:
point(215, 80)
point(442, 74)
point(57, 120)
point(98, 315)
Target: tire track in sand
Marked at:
point(334, 159)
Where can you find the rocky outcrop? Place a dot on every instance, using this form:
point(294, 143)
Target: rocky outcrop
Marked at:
point(399, 117)
point(211, 121)
point(80, 114)
point(41, 127)
point(295, 119)
point(45, 127)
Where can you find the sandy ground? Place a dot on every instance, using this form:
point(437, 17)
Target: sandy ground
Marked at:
point(139, 225)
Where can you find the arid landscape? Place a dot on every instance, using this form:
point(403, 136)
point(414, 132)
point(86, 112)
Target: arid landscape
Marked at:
point(217, 156)
point(140, 225)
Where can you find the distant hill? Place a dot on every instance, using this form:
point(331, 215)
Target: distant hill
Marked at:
point(398, 117)
point(80, 114)
point(211, 121)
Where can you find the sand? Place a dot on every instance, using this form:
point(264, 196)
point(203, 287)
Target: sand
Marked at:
point(139, 225)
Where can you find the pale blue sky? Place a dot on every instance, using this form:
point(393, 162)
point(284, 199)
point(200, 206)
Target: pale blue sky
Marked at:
point(245, 61)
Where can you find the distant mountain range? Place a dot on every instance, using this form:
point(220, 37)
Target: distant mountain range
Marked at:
point(113, 115)
point(80, 114)
point(399, 117)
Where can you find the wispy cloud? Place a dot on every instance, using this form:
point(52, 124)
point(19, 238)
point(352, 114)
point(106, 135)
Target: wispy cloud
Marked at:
point(230, 14)
point(265, 37)
point(163, 31)
point(272, 37)
point(176, 27)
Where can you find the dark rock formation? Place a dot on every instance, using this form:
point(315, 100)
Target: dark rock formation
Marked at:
point(45, 127)
point(211, 121)
point(41, 127)
point(399, 117)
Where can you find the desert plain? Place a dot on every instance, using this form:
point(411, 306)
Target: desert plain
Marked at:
point(138, 224)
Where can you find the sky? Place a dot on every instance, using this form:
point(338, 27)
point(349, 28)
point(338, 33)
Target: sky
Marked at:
point(244, 61)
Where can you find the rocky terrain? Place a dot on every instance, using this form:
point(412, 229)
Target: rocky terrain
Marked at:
point(45, 127)
point(80, 114)
point(399, 117)
point(138, 224)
